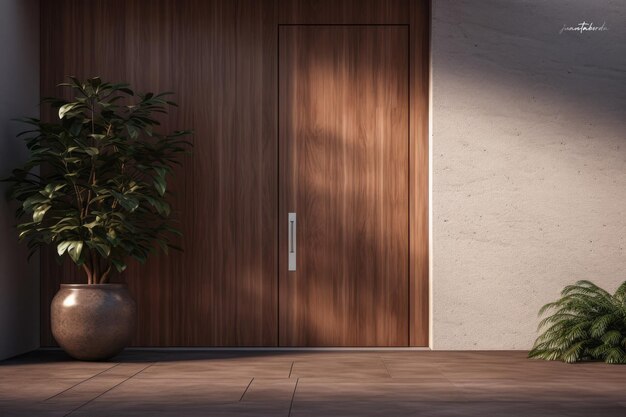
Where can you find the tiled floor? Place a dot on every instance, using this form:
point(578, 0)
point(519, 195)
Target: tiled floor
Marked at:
point(297, 384)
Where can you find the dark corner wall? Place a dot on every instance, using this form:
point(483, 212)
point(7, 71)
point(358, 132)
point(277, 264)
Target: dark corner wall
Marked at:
point(19, 97)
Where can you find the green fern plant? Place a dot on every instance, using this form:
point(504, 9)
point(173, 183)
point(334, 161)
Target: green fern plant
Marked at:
point(587, 323)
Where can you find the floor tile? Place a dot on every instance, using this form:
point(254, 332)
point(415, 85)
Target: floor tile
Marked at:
point(54, 370)
point(168, 392)
point(375, 391)
point(342, 367)
point(268, 390)
point(329, 383)
point(31, 389)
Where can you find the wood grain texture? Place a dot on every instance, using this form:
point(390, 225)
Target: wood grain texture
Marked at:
point(344, 12)
point(220, 57)
point(343, 168)
point(419, 173)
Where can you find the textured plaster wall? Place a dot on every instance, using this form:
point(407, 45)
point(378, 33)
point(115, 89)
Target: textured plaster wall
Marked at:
point(528, 162)
point(19, 95)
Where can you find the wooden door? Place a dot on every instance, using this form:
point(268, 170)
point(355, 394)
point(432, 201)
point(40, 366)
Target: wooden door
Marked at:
point(344, 170)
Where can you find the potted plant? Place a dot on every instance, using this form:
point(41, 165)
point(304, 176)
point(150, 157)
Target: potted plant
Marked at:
point(94, 189)
point(587, 323)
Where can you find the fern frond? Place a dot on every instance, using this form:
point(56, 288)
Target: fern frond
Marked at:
point(600, 351)
point(587, 287)
point(574, 352)
point(586, 323)
point(611, 338)
point(620, 293)
point(599, 326)
point(555, 318)
point(615, 355)
point(547, 307)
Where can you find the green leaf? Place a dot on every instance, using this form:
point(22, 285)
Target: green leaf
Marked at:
point(587, 323)
point(63, 110)
point(160, 183)
point(95, 223)
point(92, 151)
point(599, 326)
point(129, 203)
point(620, 293)
point(72, 247)
point(132, 131)
point(62, 247)
point(103, 249)
point(98, 178)
point(612, 337)
point(74, 250)
point(34, 200)
point(127, 91)
point(160, 205)
point(39, 212)
point(119, 266)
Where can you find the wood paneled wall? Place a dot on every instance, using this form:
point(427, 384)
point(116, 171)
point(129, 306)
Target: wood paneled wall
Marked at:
point(220, 57)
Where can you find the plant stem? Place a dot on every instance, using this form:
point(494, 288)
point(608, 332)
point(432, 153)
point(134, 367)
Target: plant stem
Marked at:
point(79, 199)
point(105, 277)
point(95, 268)
point(92, 174)
point(89, 274)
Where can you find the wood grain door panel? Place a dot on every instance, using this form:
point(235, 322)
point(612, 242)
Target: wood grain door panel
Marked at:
point(344, 169)
point(221, 59)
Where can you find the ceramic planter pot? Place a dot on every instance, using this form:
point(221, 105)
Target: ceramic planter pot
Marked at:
point(93, 322)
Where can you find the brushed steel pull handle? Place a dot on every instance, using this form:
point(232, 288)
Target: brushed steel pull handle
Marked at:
point(292, 241)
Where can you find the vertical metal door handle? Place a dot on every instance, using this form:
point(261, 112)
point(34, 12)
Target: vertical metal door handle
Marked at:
point(292, 241)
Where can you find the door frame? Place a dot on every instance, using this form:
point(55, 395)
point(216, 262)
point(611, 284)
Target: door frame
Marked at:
point(419, 166)
point(419, 171)
point(281, 265)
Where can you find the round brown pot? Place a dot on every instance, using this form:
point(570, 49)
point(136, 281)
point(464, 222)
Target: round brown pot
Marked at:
point(93, 322)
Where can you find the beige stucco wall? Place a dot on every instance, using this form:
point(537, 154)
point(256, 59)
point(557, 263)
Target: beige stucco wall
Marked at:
point(19, 95)
point(528, 163)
